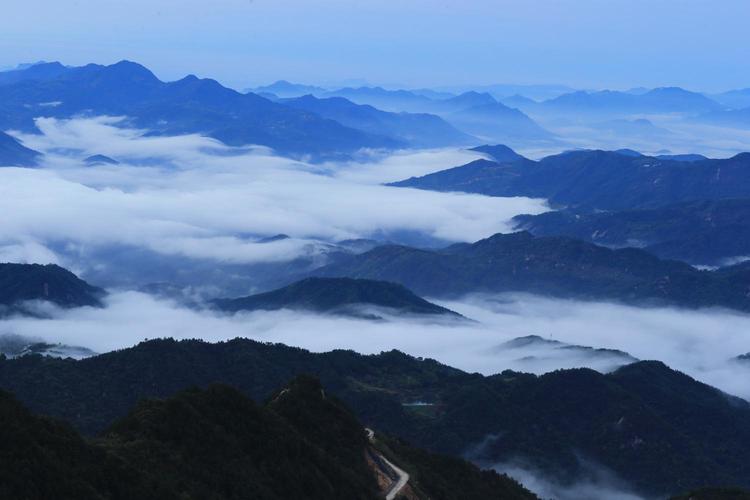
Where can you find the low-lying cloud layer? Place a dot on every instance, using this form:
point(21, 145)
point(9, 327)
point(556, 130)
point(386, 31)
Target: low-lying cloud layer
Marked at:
point(192, 196)
point(699, 343)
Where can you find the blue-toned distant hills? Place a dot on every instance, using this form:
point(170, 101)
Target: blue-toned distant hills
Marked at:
point(15, 154)
point(706, 232)
point(190, 105)
point(605, 180)
point(665, 99)
point(413, 129)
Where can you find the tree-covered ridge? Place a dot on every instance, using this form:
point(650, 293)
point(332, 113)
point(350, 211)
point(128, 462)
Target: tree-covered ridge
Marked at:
point(337, 296)
point(24, 282)
point(606, 180)
point(701, 232)
point(216, 444)
point(556, 266)
point(715, 494)
point(658, 429)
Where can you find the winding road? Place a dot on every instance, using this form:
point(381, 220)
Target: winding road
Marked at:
point(402, 476)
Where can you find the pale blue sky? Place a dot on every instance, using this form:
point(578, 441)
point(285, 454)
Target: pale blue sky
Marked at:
point(703, 45)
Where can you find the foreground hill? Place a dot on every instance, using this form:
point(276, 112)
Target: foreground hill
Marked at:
point(190, 105)
point(700, 232)
point(553, 266)
point(657, 429)
point(25, 282)
point(14, 154)
point(606, 180)
point(715, 494)
point(336, 296)
point(217, 444)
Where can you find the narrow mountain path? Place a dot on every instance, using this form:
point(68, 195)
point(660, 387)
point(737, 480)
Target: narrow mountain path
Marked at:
point(402, 477)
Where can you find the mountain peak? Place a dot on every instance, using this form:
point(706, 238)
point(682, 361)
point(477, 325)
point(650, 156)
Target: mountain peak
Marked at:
point(130, 70)
point(499, 152)
point(343, 296)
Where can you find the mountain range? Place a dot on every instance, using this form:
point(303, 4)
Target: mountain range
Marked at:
point(605, 180)
point(419, 130)
point(709, 233)
point(655, 428)
point(477, 113)
point(552, 266)
point(217, 444)
point(190, 105)
point(341, 296)
point(658, 100)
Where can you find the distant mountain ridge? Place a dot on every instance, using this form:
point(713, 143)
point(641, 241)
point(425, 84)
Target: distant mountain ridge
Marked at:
point(699, 232)
point(413, 129)
point(551, 266)
point(190, 105)
point(606, 180)
point(663, 99)
point(476, 113)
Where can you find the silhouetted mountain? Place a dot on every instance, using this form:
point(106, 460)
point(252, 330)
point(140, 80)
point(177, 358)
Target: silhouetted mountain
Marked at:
point(217, 444)
point(17, 345)
point(412, 129)
point(656, 428)
point(739, 118)
point(100, 160)
point(735, 99)
point(701, 232)
point(284, 89)
point(554, 266)
point(682, 157)
point(536, 92)
point(660, 100)
point(472, 112)
point(499, 153)
point(387, 100)
point(41, 72)
point(598, 179)
point(629, 152)
point(533, 350)
point(633, 128)
point(336, 296)
point(498, 122)
point(14, 154)
point(190, 105)
point(519, 101)
point(24, 282)
point(466, 100)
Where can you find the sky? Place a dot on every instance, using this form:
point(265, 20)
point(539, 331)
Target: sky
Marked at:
point(698, 44)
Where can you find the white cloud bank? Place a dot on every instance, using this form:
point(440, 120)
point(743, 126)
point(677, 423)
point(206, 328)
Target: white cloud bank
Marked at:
point(699, 343)
point(192, 196)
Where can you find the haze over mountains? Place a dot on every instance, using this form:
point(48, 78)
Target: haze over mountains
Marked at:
point(552, 248)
